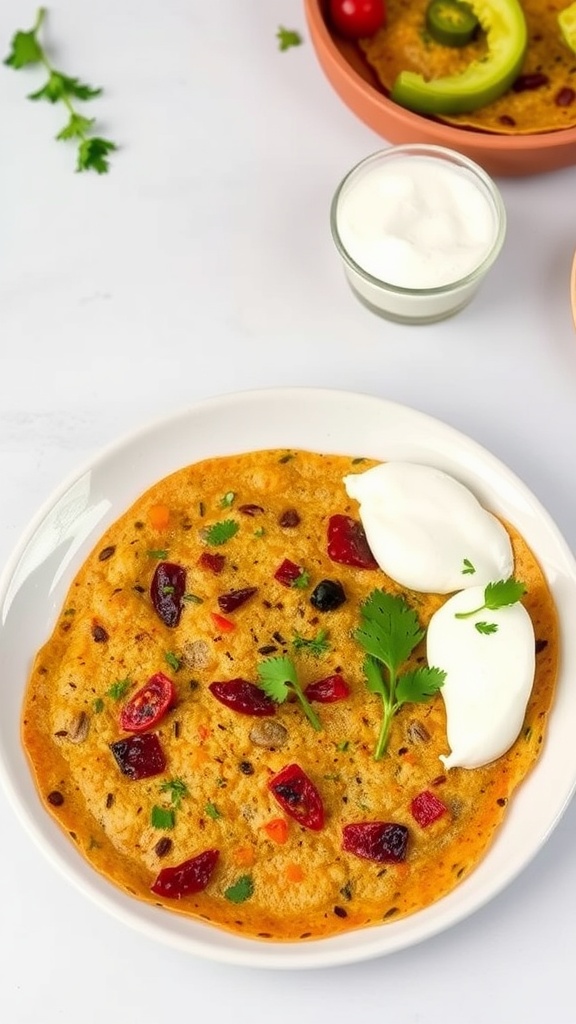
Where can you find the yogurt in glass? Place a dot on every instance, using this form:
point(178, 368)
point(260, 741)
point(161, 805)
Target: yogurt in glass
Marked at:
point(417, 228)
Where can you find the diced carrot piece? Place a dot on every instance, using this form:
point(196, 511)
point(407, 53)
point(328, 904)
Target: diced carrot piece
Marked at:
point(277, 830)
point(409, 758)
point(243, 856)
point(204, 732)
point(294, 873)
point(159, 516)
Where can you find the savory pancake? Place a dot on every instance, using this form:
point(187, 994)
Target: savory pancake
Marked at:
point(209, 575)
point(543, 98)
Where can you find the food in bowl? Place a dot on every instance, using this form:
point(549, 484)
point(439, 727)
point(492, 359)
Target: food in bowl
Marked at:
point(417, 228)
point(202, 726)
point(516, 75)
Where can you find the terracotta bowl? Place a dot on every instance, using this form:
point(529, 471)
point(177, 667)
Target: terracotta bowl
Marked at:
point(499, 154)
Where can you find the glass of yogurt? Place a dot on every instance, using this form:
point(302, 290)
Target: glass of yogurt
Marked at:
point(417, 228)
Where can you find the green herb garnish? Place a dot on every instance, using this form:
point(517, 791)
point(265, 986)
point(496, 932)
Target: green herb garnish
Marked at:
point(468, 569)
point(193, 599)
point(288, 37)
point(119, 689)
point(498, 595)
point(302, 581)
point(173, 660)
point(219, 533)
point(157, 553)
point(162, 817)
point(259, 532)
point(177, 789)
point(212, 811)
point(389, 632)
point(279, 679)
point(98, 705)
point(241, 891)
point(486, 627)
point(317, 645)
point(93, 151)
point(227, 500)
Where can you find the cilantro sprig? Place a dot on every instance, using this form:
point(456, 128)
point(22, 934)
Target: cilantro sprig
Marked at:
point(497, 595)
point(93, 150)
point(288, 37)
point(389, 632)
point(316, 645)
point(220, 533)
point(279, 679)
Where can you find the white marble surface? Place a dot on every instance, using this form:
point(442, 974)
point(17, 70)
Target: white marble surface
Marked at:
point(203, 264)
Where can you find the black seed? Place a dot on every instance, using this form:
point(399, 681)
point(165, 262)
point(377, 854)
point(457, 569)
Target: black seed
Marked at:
point(106, 553)
point(55, 798)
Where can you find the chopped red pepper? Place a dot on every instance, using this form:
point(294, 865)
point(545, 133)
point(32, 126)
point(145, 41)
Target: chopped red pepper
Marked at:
point(244, 697)
point(382, 841)
point(234, 598)
point(347, 543)
point(426, 808)
point(298, 797)
point(149, 704)
point(189, 877)
point(215, 563)
point(224, 625)
point(139, 757)
point(329, 690)
point(288, 572)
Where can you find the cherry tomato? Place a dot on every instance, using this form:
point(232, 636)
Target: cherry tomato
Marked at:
point(357, 18)
point(149, 704)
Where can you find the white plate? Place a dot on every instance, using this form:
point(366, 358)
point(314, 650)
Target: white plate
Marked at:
point(34, 584)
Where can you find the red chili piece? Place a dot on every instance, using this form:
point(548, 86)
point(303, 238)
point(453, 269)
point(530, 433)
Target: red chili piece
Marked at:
point(149, 704)
point(234, 598)
point(251, 510)
point(139, 757)
point(298, 797)
point(167, 590)
point(426, 808)
point(382, 841)
point(215, 563)
point(224, 625)
point(244, 697)
point(287, 573)
point(191, 876)
point(347, 543)
point(329, 690)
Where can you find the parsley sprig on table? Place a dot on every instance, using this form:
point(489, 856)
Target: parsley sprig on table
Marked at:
point(496, 595)
point(93, 150)
point(279, 679)
point(389, 632)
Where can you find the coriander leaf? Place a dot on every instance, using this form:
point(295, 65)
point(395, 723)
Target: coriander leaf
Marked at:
point(177, 789)
point(279, 679)
point(162, 817)
point(468, 569)
point(157, 553)
point(76, 128)
point(486, 627)
point(227, 500)
point(221, 532)
point(241, 890)
point(302, 581)
point(389, 632)
point(316, 645)
point(212, 811)
point(498, 595)
point(419, 685)
point(374, 679)
point(390, 629)
point(98, 705)
point(25, 50)
point(92, 155)
point(287, 37)
point(173, 660)
point(119, 689)
point(59, 86)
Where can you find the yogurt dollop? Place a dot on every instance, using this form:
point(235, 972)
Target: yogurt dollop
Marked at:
point(427, 531)
point(489, 677)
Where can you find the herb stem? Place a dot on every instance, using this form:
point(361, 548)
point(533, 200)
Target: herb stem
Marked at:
point(308, 709)
point(81, 134)
point(466, 615)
